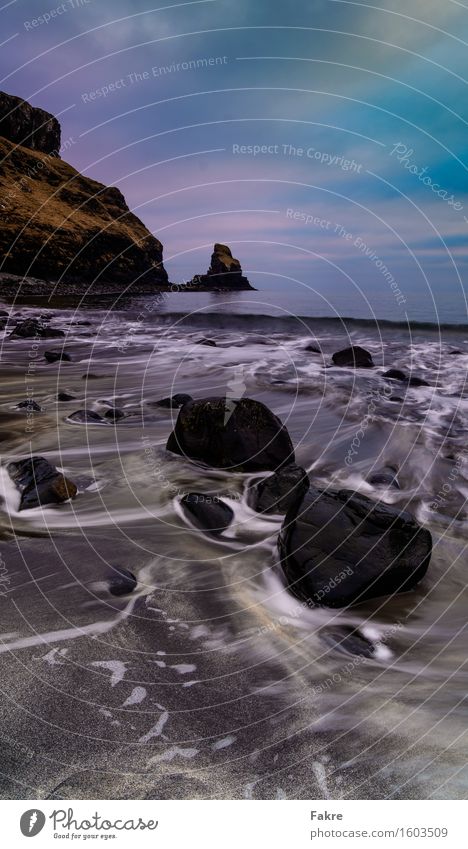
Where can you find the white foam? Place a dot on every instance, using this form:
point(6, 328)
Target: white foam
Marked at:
point(137, 695)
point(117, 667)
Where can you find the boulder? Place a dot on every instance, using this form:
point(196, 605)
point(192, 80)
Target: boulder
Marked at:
point(340, 548)
point(121, 581)
point(353, 357)
point(207, 512)
point(31, 328)
point(56, 356)
point(40, 483)
point(241, 435)
point(278, 492)
point(86, 417)
point(175, 401)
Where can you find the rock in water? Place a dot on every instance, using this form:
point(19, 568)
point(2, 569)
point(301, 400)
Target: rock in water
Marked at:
point(122, 581)
point(397, 374)
point(387, 476)
point(65, 396)
point(353, 357)
point(241, 435)
point(207, 512)
point(86, 416)
point(29, 404)
point(40, 483)
point(339, 548)
point(174, 402)
point(56, 356)
point(31, 328)
point(225, 272)
point(277, 493)
point(114, 414)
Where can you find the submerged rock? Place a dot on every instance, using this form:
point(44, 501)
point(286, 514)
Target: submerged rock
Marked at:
point(40, 483)
point(207, 512)
point(31, 328)
point(339, 548)
point(65, 396)
point(114, 414)
point(175, 401)
point(86, 416)
point(353, 357)
point(242, 435)
point(209, 342)
point(397, 374)
point(278, 492)
point(348, 641)
point(386, 476)
point(55, 356)
point(29, 404)
point(313, 349)
point(122, 581)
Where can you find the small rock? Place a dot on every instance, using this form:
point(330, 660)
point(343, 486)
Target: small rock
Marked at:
point(122, 581)
point(55, 356)
point(278, 492)
point(210, 342)
point(29, 405)
point(353, 357)
point(397, 374)
point(207, 512)
point(86, 416)
point(90, 376)
point(175, 401)
point(40, 483)
point(32, 328)
point(313, 349)
point(65, 396)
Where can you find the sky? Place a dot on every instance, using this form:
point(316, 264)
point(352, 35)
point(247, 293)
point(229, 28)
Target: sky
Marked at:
point(323, 140)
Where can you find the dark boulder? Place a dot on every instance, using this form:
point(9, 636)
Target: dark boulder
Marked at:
point(207, 512)
point(31, 328)
point(121, 581)
point(174, 402)
point(353, 357)
point(40, 483)
point(114, 414)
point(242, 435)
point(339, 548)
point(85, 417)
point(29, 404)
point(386, 476)
point(65, 396)
point(56, 356)
point(277, 493)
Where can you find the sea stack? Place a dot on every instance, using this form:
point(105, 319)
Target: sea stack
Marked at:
point(225, 272)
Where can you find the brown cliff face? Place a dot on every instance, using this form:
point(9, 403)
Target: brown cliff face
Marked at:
point(23, 124)
point(56, 224)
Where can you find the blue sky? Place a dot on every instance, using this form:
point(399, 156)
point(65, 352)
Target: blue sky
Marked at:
point(339, 80)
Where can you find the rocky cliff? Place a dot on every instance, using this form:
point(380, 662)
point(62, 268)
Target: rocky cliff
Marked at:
point(56, 224)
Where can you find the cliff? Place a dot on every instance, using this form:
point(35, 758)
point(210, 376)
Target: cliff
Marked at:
point(56, 224)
